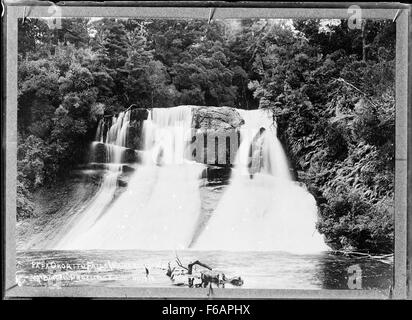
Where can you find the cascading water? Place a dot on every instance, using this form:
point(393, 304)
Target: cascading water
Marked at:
point(161, 206)
point(115, 148)
point(263, 209)
point(116, 137)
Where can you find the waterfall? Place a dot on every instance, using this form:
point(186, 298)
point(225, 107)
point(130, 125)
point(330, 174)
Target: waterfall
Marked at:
point(161, 206)
point(271, 158)
point(115, 148)
point(262, 209)
point(167, 133)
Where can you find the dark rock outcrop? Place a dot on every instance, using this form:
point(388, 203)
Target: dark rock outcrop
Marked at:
point(134, 138)
point(99, 154)
point(102, 168)
point(138, 114)
point(216, 174)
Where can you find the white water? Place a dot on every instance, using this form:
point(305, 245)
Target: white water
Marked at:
point(263, 209)
point(115, 147)
point(161, 206)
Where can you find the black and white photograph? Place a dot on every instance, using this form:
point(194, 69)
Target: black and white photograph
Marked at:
point(206, 154)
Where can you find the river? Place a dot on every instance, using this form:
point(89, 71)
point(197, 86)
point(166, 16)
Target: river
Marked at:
point(259, 270)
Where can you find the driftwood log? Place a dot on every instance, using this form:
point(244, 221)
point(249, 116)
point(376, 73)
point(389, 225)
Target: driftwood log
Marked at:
point(206, 278)
point(384, 258)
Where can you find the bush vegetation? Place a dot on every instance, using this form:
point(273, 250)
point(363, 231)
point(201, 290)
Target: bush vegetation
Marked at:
point(330, 88)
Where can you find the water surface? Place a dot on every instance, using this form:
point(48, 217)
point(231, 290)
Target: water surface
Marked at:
point(259, 270)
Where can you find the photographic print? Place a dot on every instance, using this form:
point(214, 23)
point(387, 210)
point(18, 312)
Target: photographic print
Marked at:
point(195, 153)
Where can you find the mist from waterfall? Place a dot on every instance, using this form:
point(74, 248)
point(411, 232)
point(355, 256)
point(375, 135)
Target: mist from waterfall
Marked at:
point(263, 208)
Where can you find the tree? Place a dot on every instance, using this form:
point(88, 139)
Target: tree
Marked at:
point(335, 112)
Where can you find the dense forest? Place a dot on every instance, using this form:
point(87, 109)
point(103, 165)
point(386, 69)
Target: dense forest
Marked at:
point(330, 88)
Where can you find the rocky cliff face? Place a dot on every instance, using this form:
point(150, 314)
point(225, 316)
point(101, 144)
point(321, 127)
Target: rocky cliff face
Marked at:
point(216, 118)
point(221, 122)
